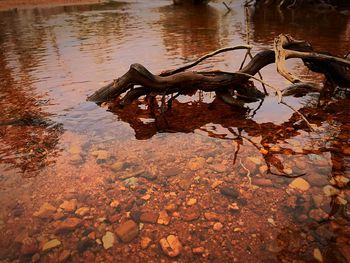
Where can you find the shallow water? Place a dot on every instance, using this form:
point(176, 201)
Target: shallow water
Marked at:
point(56, 146)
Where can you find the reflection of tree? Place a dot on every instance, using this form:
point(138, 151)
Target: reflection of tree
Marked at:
point(321, 31)
point(27, 138)
point(190, 30)
point(221, 121)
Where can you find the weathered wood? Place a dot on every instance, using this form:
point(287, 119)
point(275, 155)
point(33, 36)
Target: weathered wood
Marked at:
point(228, 86)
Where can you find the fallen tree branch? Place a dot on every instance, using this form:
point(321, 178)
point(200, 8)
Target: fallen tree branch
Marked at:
point(216, 52)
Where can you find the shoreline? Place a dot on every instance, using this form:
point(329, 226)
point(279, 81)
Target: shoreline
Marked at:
point(6, 5)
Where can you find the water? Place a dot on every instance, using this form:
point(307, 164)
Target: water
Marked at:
point(56, 146)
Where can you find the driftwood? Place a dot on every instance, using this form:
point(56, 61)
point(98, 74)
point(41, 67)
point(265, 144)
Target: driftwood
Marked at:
point(233, 88)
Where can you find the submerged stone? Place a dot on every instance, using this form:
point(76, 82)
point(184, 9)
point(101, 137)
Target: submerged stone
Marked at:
point(51, 244)
point(108, 240)
point(300, 184)
point(171, 246)
point(127, 231)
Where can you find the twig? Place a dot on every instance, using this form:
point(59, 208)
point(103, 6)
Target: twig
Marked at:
point(248, 172)
point(279, 93)
point(300, 114)
point(228, 8)
point(183, 68)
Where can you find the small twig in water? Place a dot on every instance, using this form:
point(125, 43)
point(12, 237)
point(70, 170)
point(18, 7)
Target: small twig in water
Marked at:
point(228, 8)
point(248, 172)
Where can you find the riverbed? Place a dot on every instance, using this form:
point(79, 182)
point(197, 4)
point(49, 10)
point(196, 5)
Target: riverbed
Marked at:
point(82, 182)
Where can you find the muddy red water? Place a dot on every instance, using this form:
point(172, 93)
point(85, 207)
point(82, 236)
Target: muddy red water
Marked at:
point(203, 182)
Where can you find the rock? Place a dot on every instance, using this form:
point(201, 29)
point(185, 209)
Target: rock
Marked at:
point(330, 190)
point(264, 151)
point(101, 155)
point(29, 246)
point(185, 183)
point(149, 217)
point(318, 214)
point(108, 240)
point(172, 172)
point(171, 207)
point(262, 182)
point(191, 201)
point(316, 179)
point(300, 164)
point(346, 150)
point(171, 246)
point(299, 184)
point(216, 183)
point(163, 218)
point(233, 207)
point(211, 216)
point(191, 214)
point(45, 211)
point(82, 211)
point(340, 181)
point(145, 242)
point(318, 255)
point(117, 166)
point(229, 192)
point(74, 149)
point(217, 226)
point(196, 163)
point(69, 206)
point(131, 182)
point(219, 168)
point(263, 169)
point(67, 225)
point(127, 231)
point(64, 256)
point(198, 250)
point(115, 204)
point(51, 244)
point(146, 197)
point(130, 174)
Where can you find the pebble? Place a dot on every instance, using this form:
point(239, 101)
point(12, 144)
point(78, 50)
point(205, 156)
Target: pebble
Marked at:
point(74, 149)
point(185, 183)
point(216, 183)
point(51, 244)
point(164, 218)
point(82, 211)
point(233, 207)
point(69, 206)
point(219, 168)
point(196, 163)
point(114, 204)
point(217, 226)
point(230, 192)
point(318, 255)
point(318, 214)
point(317, 179)
point(64, 256)
point(108, 240)
point(172, 172)
point(117, 166)
point(67, 225)
point(45, 211)
point(300, 184)
point(146, 197)
point(149, 217)
point(171, 245)
point(329, 190)
point(191, 201)
point(145, 242)
point(29, 246)
point(340, 181)
point(262, 182)
point(211, 216)
point(191, 214)
point(171, 207)
point(198, 250)
point(127, 231)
